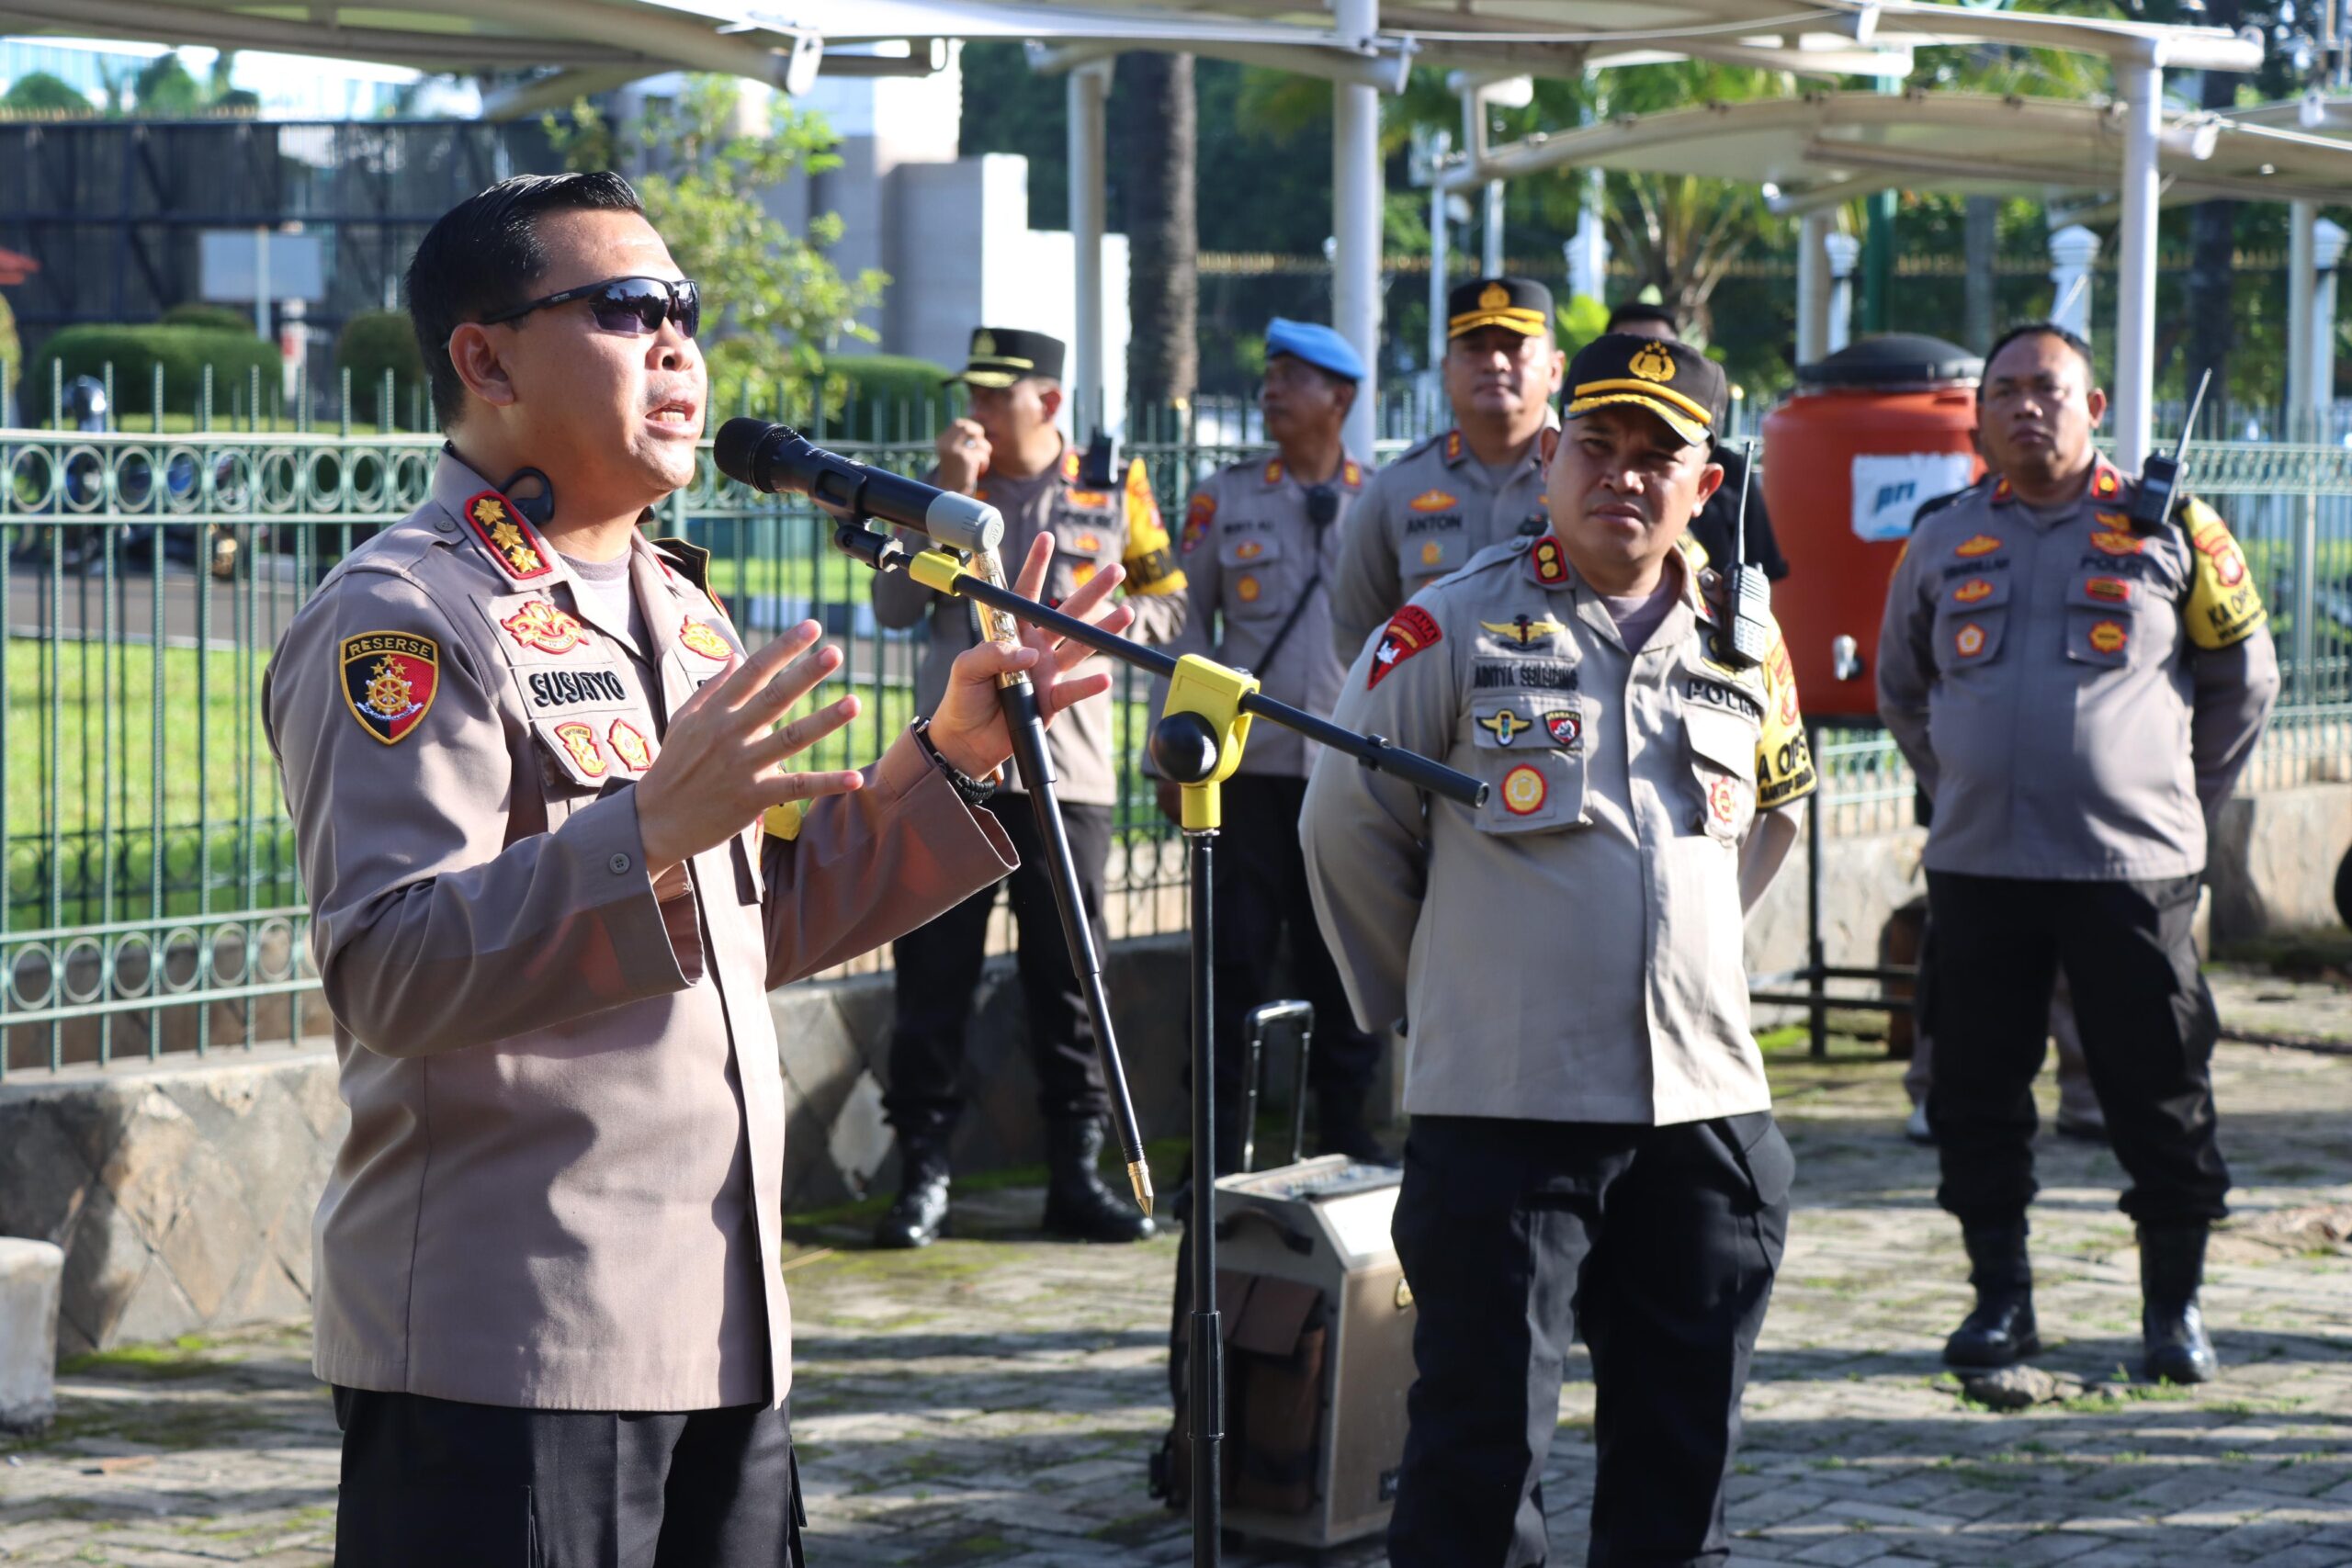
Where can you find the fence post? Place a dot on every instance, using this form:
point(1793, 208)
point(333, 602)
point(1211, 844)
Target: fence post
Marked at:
point(2305, 684)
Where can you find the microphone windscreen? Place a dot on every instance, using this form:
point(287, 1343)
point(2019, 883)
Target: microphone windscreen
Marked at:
point(738, 439)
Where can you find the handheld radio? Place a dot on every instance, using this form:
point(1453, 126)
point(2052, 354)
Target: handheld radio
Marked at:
point(1747, 639)
point(2159, 486)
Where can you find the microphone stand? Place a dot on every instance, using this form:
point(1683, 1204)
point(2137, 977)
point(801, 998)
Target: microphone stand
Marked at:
point(1197, 742)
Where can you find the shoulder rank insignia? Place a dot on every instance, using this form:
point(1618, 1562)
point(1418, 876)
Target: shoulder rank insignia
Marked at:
point(2106, 484)
point(1198, 514)
point(1273, 470)
point(1504, 725)
point(508, 536)
point(1453, 446)
point(2001, 493)
point(1523, 629)
point(1072, 463)
point(1433, 500)
point(542, 626)
point(1410, 631)
point(1352, 474)
point(388, 682)
point(1981, 545)
point(699, 637)
point(1547, 563)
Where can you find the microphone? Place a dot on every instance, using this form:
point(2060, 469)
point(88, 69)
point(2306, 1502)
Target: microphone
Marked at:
point(775, 458)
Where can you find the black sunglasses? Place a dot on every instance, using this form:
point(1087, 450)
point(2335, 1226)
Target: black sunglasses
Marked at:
point(633, 305)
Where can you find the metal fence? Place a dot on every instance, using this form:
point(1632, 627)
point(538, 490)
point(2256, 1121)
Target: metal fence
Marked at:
point(150, 901)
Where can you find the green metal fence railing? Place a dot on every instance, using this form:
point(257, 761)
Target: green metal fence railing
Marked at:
point(148, 895)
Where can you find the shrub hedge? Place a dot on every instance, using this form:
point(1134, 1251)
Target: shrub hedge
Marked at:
point(135, 350)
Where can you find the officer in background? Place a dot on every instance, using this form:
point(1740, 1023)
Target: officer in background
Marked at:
point(1592, 1147)
point(1716, 527)
point(1260, 541)
point(557, 858)
point(2078, 694)
point(1427, 513)
point(1009, 453)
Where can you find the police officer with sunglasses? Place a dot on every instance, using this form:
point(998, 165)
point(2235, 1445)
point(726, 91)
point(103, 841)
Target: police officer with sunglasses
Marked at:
point(558, 853)
point(1260, 543)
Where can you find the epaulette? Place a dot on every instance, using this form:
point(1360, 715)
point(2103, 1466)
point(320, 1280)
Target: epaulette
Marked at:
point(686, 558)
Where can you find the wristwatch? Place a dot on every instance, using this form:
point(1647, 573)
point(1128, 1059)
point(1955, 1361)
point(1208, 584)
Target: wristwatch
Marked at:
point(976, 792)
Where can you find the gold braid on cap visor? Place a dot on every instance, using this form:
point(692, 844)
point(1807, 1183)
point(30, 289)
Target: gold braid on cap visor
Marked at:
point(1692, 406)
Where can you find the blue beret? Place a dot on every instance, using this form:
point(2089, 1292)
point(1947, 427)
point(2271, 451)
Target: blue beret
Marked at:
point(1317, 345)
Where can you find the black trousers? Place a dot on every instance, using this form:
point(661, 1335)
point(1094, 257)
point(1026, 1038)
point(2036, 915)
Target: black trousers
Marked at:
point(455, 1485)
point(1261, 894)
point(939, 968)
point(1660, 1244)
point(2147, 1025)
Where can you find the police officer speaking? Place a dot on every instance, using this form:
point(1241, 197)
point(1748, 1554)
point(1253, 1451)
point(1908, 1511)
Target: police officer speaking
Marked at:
point(1260, 543)
point(556, 861)
point(1592, 1147)
point(2077, 690)
point(1009, 454)
point(1441, 503)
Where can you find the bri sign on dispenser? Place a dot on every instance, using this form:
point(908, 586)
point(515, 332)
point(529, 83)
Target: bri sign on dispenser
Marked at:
point(1888, 488)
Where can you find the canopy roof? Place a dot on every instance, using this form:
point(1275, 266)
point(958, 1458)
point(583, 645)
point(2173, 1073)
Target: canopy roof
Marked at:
point(1829, 147)
point(782, 41)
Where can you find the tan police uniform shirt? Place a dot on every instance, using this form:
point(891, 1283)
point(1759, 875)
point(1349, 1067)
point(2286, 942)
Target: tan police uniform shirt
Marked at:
point(1424, 516)
point(1251, 556)
point(1090, 529)
point(1572, 950)
point(562, 1187)
point(2077, 698)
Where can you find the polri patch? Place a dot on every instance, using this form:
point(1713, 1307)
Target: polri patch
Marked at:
point(1410, 631)
point(390, 680)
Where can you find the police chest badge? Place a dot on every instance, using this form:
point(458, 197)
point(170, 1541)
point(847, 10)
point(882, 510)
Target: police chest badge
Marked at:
point(541, 625)
point(702, 639)
point(1565, 726)
point(389, 680)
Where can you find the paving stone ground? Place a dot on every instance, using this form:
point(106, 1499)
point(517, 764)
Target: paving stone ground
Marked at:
point(992, 1398)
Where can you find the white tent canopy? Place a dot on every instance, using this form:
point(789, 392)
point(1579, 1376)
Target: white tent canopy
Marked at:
point(1362, 44)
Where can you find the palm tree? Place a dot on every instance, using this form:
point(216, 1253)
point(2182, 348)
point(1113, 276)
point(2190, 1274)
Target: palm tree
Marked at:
point(1155, 160)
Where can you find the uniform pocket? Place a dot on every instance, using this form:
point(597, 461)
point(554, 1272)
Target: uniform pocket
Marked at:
point(1529, 748)
point(2101, 637)
point(1082, 546)
point(1433, 554)
point(1971, 614)
point(1251, 564)
point(1723, 762)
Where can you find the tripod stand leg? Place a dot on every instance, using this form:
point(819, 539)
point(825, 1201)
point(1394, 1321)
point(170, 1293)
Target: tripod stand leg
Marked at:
point(1035, 766)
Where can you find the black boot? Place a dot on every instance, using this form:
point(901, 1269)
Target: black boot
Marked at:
point(1341, 1128)
point(2172, 1266)
point(919, 1213)
point(2000, 1332)
point(1077, 1206)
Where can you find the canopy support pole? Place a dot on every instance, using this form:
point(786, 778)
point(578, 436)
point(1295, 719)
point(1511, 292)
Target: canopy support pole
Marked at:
point(1088, 89)
point(2135, 295)
point(1355, 222)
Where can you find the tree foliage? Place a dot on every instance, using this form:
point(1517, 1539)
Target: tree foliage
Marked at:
point(773, 302)
point(38, 92)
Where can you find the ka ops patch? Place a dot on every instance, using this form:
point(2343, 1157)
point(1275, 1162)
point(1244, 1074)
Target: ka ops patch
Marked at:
point(389, 680)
